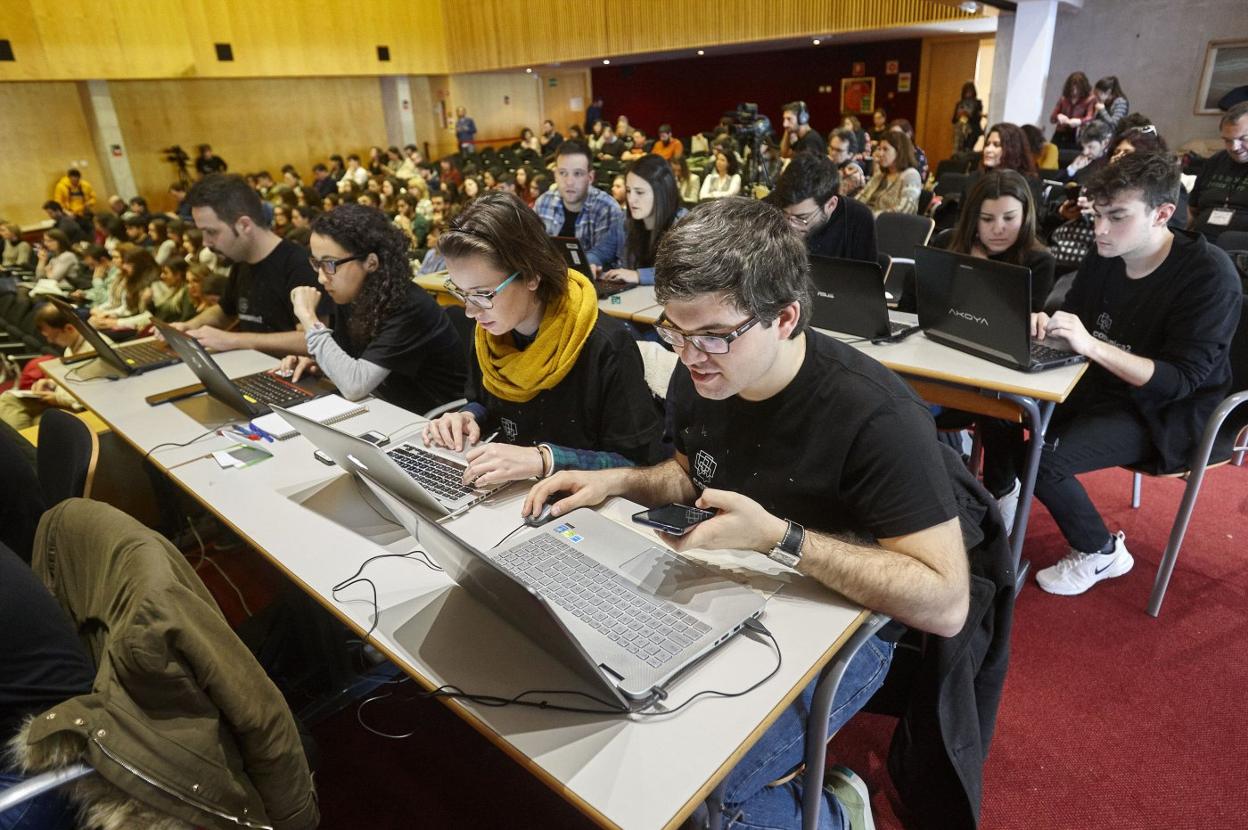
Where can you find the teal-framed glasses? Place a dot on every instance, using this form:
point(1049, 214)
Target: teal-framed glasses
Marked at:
point(481, 299)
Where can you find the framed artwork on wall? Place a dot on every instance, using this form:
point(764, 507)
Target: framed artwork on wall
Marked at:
point(858, 95)
point(1226, 67)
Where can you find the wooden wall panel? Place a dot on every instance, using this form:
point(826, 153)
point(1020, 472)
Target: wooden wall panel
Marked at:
point(81, 40)
point(252, 123)
point(947, 63)
point(502, 103)
point(496, 34)
point(43, 131)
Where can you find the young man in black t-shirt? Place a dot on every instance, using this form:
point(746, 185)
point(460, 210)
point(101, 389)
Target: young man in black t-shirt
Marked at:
point(1219, 200)
point(811, 453)
point(1154, 311)
point(266, 269)
point(832, 225)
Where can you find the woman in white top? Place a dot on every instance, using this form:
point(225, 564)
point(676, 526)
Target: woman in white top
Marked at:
point(54, 259)
point(529, 141)
point(723, 180)
point(895, 186)
point(688, 185)
point(594, 139)
point(16, 249)
point(158, 230)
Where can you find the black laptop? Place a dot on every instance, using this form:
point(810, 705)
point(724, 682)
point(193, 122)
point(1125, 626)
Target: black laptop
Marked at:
point(252, 395)
point(849, 298)
point(574, 255)
point(981, 307)
point(128, 358)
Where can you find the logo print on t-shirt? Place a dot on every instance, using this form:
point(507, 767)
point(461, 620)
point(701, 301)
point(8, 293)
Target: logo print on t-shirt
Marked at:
point(704, 465)
point(510, 429)
point(1104, 322)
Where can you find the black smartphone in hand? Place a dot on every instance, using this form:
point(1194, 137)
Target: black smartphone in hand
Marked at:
point(673, 519)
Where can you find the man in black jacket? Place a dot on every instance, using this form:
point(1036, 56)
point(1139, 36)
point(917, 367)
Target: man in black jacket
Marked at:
point(832, 225)
point(1154, 311)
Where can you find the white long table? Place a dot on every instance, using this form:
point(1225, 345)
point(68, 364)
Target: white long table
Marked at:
point(311, 521)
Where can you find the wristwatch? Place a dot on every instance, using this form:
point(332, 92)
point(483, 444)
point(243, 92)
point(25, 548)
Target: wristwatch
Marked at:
point(788, 551)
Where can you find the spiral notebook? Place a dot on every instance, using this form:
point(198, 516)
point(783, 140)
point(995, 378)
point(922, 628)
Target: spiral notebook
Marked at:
point(326, 410)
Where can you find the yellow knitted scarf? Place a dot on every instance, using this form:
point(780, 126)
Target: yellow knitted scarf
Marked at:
point(518, 376)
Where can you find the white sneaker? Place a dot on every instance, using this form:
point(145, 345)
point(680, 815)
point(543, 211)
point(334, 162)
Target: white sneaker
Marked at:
point(1008, 505)
point(1078, 571)
point(851, 791)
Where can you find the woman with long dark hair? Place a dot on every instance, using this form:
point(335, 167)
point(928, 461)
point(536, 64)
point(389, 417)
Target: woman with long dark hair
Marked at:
point(998, 222)
point(561, 383)
point(1111, 102)
point(895, 185)
point(653, 204)
point(967, 115)
point(1076, 107)
point(1007, 148)
point(386, 336)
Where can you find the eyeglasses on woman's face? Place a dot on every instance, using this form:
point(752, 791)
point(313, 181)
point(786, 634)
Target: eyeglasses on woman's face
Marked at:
point(481, 299)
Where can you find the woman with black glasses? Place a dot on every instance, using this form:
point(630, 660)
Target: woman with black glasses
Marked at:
point(562, 385)
point(386, 336)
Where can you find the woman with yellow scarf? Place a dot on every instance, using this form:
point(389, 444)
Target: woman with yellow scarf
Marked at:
point(561, 385)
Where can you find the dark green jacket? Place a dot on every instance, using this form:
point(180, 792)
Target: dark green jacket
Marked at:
point(181, 716)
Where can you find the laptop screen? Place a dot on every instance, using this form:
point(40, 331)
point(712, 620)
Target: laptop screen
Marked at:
point(205, 368)
point(102, 347)
point(573, 254)
point(974, 301)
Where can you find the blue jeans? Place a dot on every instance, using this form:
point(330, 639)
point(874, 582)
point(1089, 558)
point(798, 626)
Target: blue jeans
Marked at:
point(50, 811)
point(749, 804)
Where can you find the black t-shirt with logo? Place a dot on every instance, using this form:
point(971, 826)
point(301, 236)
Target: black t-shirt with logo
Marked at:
point(603, 403)
point(1221, 186)
point(258, 294)
point(419, 346)
point(845, 448)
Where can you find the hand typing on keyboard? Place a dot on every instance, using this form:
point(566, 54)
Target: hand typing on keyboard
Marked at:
point(492, 464)
point(1063, 330)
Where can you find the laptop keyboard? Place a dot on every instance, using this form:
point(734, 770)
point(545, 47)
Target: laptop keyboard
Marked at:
point(1041, 353)
point(607, 289)
point(653, 631)
point(144, 354)
point(434, 473)
point(269, 390)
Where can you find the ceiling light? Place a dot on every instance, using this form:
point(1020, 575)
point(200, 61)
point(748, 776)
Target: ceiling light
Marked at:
point(606, 62)
point(529, 70)
point(701, 51)
point(815, 41)
point(970, 7)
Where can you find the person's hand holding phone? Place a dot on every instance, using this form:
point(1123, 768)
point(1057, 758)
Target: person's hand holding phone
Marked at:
point(740, 523)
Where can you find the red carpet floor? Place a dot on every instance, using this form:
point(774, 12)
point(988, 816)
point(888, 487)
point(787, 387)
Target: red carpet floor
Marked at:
point(1111, 719)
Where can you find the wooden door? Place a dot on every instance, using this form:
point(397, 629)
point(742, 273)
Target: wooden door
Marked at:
point(945, 65)
point(565, 102)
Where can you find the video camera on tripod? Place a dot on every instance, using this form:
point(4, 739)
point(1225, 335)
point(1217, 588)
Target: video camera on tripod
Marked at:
point(751, 130)
point(176, 156)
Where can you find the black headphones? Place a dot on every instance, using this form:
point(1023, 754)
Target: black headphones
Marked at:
point(803, 115)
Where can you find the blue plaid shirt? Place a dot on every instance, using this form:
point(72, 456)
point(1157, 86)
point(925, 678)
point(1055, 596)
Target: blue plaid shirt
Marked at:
point(597, 227)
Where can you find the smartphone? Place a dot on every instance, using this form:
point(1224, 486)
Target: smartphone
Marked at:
point(377, 439)
point(673, 519)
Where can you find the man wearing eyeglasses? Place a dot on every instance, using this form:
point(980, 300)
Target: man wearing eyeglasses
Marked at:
point(813, 455)
point(832, 225)
point(256, 302)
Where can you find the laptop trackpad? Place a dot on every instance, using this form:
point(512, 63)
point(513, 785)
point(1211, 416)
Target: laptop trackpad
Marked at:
point(675, 579)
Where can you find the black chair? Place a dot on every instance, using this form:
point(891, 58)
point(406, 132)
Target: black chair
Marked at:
point(950, 184)
point(1233, 240)
point(66, 456)
point(1225, 440)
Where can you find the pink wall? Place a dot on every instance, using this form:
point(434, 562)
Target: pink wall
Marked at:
point(692, 93)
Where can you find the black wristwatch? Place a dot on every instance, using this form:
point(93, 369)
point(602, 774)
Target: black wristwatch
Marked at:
point(788, 551)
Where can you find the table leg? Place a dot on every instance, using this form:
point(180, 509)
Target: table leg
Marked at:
point(817, 720)
point(1038, 415)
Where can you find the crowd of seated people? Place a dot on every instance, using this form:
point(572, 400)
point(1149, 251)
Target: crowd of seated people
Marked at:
point(318, 271)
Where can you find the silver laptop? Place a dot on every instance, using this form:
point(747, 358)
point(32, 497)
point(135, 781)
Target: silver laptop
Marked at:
point(424, 477)
point(623, 613)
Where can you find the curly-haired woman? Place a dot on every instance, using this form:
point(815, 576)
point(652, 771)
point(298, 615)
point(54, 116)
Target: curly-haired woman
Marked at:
point(386, 336)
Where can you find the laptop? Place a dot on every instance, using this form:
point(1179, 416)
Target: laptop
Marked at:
point(128, 358)
point(623, 613)
point(430, 479)
point(981, 307)
point(849, 298)
point(574, 255)
point(252, 395)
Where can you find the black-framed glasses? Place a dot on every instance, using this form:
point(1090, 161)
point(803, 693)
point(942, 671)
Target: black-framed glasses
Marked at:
point(330, 265)
point(706, 343)
point(801, 220)
point(481, 299)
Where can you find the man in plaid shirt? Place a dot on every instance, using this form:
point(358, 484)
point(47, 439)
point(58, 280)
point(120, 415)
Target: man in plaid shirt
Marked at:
point(577, 208)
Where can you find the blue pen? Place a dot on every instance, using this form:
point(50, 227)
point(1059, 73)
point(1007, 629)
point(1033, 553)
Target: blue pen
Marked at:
point(266, 436)
point(248, 435)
